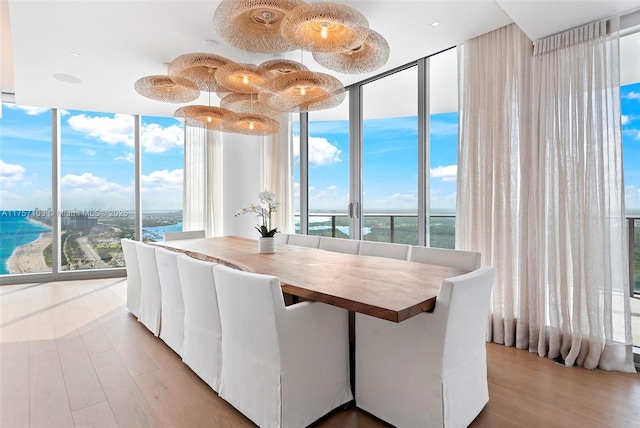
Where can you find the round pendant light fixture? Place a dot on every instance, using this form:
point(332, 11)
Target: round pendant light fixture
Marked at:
point(369, 56)
point(246, 103)
point(254, 25)
point(254, 124)
point(242, 78)
point(207, 117)
point(276, 67)
point(163, 88)
point(199, 69)
point(325, 27)
point(302, 91)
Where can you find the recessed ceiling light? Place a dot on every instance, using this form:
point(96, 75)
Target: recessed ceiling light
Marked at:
point(66, 78)
point(74, 54)
point(435, 24)
point(211, 43)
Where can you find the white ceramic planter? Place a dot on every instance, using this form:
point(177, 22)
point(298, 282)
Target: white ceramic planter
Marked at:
point(267, 245)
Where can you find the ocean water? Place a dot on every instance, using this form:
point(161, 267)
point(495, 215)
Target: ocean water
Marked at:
point(15, 230)
point(157, 233)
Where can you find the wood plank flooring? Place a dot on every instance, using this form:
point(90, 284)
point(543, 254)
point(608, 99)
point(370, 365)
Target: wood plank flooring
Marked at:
point(72, 355)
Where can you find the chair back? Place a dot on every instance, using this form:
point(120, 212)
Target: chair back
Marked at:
point(133, 275)
point(172, 315)
point(311, 241)
point(250, 305)
point(189, 234)
point(282, 238)
point(202, 331)
point(338, 245)
point(150, 295)
point(469, 260)
point(384, 249)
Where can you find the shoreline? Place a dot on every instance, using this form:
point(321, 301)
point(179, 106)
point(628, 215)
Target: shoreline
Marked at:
point(28, 258)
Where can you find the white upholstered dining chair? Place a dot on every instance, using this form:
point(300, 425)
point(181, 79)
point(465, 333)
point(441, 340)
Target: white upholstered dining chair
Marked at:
point(281, 366)
point(172, 314)
point(150, 295)
point(133, 275)
point(282, 238)
point(469, 260)
point(202, 333)
point(384, 249)
point(311, 241)
point(338, 245)
point(429, 370)
point(187, 234)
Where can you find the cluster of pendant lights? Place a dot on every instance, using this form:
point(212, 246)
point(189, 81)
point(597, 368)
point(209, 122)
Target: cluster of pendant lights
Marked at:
point(338, 36)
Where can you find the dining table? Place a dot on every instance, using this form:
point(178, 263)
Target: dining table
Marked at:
point(386, 288)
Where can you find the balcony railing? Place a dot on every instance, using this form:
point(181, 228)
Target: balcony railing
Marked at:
point(403, 228)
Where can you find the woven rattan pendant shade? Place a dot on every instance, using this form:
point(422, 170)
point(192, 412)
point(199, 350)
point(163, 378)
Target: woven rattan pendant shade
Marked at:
point(246, 103)
point(163, 88)
point(302, 91)
point(369, 56)
point(242, 78)
point(325, 27)
point(207, 117)
point(254, 25)
point(254, 124)
point(199, 69)
point(276, 67)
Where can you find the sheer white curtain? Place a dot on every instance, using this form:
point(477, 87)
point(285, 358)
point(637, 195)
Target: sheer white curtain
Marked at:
point(277, 172)
point(202, 195)
point(540, 191)
point(494, 103)
point(577, 199)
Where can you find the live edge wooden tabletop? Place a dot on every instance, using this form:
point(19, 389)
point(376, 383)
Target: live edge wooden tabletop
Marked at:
point(390, 289)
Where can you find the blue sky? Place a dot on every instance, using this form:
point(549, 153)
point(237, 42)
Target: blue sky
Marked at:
point(97, 170)
point(97, 160)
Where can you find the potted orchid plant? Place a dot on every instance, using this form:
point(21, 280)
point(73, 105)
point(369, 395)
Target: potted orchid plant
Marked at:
point(266, 206)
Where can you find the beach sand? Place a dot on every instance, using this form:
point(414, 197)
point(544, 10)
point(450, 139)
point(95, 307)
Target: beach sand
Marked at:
point(28, 258)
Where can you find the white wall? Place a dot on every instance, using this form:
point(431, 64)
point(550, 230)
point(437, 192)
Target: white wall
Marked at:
point(241, 154)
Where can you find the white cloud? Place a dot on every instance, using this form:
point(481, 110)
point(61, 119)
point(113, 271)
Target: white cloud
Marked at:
point(632, 96)
point(89, 152)
point(321, 151)
point(31, 111)
point(10, 174)
point(128, 157)
point(156, 139)
point(447, 173)
point(624, 119)
point(632, 197)
point(332, 187)
point(164, 178)
point(112, 130)
point(92, 192)
point(119, 129)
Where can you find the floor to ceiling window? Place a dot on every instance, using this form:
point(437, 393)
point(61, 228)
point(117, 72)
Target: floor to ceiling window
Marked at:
point(328, 160)
point(390, 158)
point(443, 148)
point(25, 190)
point(630, 108)
point(96, 188)
point(162, 141)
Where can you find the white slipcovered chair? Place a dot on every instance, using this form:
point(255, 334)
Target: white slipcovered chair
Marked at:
point(188, 234)
point(429, 370)
point(384, 249)
point(133, 275)
point(202, 333)
point(347, 246)
point(469, 260)
point(150, 295)
point(282, 238)
point(281, 366)
point(311, 241)
point(172, 314)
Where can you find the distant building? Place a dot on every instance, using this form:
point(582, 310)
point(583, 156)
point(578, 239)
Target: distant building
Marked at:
point(79, 221)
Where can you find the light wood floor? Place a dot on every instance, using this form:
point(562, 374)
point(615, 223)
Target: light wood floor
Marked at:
point(71, 355)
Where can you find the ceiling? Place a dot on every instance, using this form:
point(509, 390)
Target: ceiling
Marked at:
point(108, 45)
